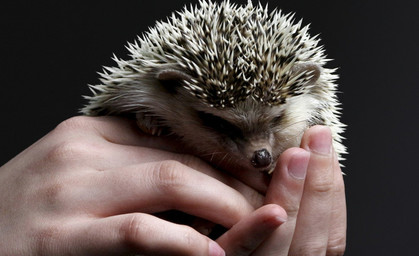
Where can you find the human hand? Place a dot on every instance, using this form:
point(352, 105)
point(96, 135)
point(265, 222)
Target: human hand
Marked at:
point(308, 184)
point(92, 185)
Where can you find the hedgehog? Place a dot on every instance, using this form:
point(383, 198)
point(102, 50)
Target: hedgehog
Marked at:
point(237, 84)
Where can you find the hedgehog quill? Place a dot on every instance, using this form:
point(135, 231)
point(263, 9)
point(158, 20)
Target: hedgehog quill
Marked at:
point(233, 81)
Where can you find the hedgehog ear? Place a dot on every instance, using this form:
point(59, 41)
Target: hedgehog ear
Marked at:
point(170, 74)
point(171, 77)
point(310, 71)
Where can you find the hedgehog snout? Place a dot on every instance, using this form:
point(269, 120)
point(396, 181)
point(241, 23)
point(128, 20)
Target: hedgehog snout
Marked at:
point(261, 158)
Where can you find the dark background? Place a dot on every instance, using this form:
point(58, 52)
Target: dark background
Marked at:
point(51, 50)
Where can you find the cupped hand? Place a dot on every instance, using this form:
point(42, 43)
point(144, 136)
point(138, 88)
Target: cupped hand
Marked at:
point(92, 186)
point(308, 184)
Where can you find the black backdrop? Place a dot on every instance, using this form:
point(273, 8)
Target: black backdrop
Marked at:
point(50, 50)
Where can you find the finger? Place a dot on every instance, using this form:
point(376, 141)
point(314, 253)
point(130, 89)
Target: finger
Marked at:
point(286, 189)
point(121, 131)
point(118, 156)
point(140, 234)
point(313, 221)
point(244, 237)
point(337, 231)
point(157, 187)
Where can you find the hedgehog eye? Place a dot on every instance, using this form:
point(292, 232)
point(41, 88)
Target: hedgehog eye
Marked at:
point(220, 125)
point(276, 120)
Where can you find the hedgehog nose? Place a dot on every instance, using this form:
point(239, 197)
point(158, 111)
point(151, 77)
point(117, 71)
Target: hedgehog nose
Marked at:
point(261, 158)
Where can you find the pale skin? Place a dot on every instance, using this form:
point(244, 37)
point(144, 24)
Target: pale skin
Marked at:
point(92, 185)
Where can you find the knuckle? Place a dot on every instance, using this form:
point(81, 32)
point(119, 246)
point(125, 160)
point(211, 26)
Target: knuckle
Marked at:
point(68, 150)
point(292, 210)
point(131, 232)
point(73, 123)
point(188, 238)
point(190, 241)
point(169, 176)
point(322, 185)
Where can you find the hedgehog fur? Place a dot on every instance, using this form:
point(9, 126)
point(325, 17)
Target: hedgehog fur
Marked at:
point(235, 83)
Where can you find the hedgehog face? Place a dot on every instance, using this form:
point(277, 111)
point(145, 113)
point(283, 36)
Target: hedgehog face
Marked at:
point(250, 135)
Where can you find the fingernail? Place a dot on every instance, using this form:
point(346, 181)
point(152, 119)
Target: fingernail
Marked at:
point(297, 167)
point(321, 142)
point(215, 249)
